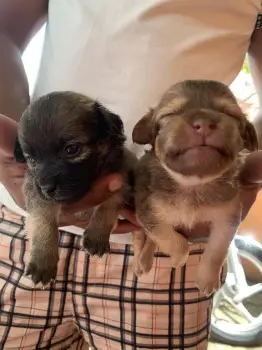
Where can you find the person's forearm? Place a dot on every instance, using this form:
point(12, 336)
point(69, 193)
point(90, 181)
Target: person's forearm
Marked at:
point(255, 63)
point(14, 91)
point(19, 21)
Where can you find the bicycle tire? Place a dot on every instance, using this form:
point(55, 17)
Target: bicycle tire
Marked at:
point(252, 337)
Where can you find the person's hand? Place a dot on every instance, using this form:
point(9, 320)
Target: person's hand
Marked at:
point(251, 180)
point(12, 177)
point(11, 173)
point(125, 225)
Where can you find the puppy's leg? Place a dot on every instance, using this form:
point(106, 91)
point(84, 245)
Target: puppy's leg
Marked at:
point(165, 237)
point(170, 242)
point(42, 230)
point(102, 223)
point(144, 256)
point(209, 269)
point(139, 238)
point(160, 231)
point(43, 237)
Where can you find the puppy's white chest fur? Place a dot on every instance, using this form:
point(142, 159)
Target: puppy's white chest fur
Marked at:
point(182, 213)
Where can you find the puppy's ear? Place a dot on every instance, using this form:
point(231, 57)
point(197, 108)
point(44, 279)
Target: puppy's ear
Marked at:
point(111, 123)
point(250, 137)
point(143, 132)
point(18, 153)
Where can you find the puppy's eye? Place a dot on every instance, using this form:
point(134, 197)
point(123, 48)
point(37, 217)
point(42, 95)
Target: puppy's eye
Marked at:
point(31, 161)
point(72, 150)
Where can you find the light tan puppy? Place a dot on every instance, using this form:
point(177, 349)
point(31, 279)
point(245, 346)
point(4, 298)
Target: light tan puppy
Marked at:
point(200, 138)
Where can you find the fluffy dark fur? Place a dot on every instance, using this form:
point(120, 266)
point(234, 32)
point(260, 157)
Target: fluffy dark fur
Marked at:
point(63, 119)
point(69, 141)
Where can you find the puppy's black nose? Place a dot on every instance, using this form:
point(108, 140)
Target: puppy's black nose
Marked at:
point(48, 189)
point(203, 126)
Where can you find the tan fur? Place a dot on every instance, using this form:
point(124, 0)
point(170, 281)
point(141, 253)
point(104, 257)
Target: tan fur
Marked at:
point(178, 187)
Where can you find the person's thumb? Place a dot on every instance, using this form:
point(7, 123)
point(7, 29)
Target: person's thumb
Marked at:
point(8, 132)
point(252, 169)
point(101, 191)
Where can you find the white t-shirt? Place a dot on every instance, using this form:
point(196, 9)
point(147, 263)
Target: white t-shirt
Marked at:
point(127, 53)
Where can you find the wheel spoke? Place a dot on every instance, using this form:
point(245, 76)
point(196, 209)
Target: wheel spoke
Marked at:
point(233, 313)
point(218, 297)
point(242, 309)
point(247, 292)
point(235, 267)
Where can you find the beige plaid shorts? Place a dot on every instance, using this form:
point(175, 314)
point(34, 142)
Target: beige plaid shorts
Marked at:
point(98, 302)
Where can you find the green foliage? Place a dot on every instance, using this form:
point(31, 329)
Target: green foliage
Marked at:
point(245, 67)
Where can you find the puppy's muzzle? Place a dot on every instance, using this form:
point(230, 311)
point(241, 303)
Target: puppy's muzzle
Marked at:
point(60, 188)
point(48, 190)
point(48, 187)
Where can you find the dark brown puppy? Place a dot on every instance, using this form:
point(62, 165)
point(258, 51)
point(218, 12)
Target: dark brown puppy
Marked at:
point(199, 139)
point(69, 141)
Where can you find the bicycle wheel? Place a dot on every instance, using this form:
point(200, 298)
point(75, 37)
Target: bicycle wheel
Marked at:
point(245, 328)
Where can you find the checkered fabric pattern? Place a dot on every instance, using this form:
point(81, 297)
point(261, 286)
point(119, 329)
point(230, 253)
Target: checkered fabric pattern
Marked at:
point(98, 301)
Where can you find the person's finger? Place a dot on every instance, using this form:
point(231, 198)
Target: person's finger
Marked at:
point(248, 197)
point(74, 222)
point(8, 132)
point(101, 191)
point(125, 226)
point(129, 215)
point(68, 219)
point(252, 169)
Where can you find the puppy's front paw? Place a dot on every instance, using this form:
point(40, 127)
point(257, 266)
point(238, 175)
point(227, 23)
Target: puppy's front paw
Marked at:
point(180, 258)
point(142, 264)
point(208, 280)
point(136, 267)
point(95, 248)
point(42, 269)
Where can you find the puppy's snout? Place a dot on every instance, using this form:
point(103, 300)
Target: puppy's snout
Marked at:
point(204, 127)
point(49, 189)
point(48, 185)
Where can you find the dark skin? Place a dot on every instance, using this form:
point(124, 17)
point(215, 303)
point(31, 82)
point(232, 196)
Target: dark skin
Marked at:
point(19, 20)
